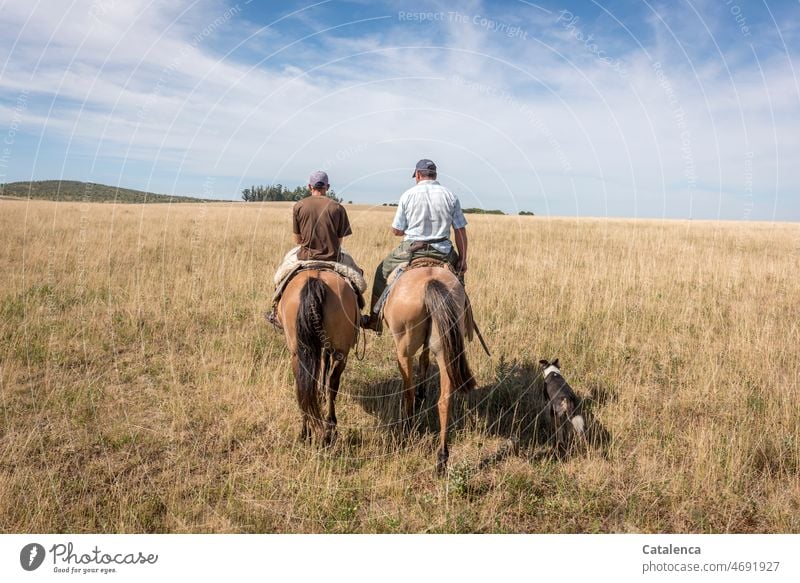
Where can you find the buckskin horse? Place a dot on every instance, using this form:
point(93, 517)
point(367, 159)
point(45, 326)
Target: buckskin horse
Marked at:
point(427, 309)
point(319, 312)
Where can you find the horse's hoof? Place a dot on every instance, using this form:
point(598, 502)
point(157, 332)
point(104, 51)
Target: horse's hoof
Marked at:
point(330, 437)
point(304, 436)
point(441, 464)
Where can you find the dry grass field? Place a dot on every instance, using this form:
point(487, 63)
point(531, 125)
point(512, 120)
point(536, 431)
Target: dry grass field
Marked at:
point(142, 391)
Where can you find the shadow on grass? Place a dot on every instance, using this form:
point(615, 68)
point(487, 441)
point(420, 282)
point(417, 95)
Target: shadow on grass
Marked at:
point(512, 407)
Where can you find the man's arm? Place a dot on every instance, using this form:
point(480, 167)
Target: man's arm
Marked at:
point(400, 222)
point(460, 232)
point(296, 227)
point(461, 246)
point(343, 229)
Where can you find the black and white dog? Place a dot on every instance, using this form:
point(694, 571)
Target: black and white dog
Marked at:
point(562, 402)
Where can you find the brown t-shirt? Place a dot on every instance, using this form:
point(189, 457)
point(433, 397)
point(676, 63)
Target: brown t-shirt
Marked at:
point(320, 222)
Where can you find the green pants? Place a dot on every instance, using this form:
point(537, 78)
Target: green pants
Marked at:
point(400, 256)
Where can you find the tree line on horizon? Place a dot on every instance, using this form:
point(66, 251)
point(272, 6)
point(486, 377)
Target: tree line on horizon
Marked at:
point(279, 192)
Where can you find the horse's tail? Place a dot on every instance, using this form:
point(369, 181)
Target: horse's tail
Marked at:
point(444, 311)
point(310, 343)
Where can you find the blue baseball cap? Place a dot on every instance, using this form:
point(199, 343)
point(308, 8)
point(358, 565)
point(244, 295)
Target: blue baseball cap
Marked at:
point(424, 165)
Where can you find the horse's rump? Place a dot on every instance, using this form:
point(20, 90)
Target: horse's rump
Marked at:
point(419, 263)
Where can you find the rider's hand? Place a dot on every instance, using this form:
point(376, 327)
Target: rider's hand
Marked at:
point(462, 266)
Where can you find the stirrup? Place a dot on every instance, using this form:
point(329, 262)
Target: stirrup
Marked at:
point(371, 323)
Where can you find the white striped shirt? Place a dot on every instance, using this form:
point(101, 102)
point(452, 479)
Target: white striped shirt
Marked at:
point(427, 211)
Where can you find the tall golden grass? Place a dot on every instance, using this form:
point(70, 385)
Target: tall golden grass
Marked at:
point(142, 390)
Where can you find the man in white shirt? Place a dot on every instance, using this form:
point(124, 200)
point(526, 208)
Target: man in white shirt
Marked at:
point(424, 216)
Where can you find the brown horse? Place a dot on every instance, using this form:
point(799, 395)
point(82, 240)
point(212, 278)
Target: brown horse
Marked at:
point(319, 313)
point(427, 309)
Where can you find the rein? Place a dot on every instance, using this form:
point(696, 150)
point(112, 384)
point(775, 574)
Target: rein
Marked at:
point(362, 335)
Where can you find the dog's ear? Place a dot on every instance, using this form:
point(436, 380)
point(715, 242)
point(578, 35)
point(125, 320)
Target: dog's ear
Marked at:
point(544, 363)
point(555, 363)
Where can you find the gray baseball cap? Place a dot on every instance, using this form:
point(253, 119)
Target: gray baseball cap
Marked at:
point(424, 165)
point(318, 178)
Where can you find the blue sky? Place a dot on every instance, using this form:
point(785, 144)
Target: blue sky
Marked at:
point(634, 109)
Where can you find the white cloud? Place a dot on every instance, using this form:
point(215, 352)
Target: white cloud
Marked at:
point(538, 122)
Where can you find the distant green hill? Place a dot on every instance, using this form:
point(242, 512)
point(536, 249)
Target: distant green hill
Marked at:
point(73, 190)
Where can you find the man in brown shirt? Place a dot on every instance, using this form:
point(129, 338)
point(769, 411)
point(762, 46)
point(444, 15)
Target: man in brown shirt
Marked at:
point(319, 223)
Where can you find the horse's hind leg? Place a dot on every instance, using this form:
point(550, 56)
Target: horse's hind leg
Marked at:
point(445, 390)
point(406, 366)
point(305, 435)
point(333, 390)
point(424, 364)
